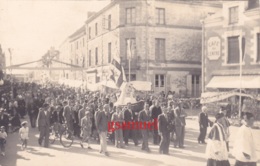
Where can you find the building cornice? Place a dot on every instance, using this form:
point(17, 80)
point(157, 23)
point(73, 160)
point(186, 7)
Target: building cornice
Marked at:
point(162, 26)
point(191, 70)
point(149, 26)
point(197, 3)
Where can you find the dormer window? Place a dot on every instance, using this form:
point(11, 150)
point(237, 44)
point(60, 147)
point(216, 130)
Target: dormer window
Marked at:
point(233, 15)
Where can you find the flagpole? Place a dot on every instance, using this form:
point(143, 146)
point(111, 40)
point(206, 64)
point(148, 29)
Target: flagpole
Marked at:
point(129, 60)
point(240, 75)
point(11, 75)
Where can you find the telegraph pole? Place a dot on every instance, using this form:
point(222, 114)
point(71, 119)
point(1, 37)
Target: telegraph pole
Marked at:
point(11, 75)
point(146, 36)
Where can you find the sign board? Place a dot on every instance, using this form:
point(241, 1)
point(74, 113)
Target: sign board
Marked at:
point(214, 46)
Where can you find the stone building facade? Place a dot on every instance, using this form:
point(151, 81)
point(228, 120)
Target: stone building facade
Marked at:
point(2, 63)
point(231, 59)
point(233, 36)
point(162, 37)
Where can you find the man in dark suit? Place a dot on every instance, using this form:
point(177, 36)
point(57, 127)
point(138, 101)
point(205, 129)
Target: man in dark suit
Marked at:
point(144, 117)
point(203, 125)
point(179, 126)
point(164, 131)
point(4, 119)
point(43, 123)
point(156, 111)
point(68, 116)
point(33, 110)
point(101, 124)
point(128, 117)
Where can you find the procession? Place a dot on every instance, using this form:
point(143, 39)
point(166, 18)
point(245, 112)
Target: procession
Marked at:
point(148, 82)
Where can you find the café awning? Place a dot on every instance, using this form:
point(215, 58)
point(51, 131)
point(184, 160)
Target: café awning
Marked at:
point(234, 82)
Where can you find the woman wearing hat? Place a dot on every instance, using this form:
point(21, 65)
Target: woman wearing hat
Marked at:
point(216, 150)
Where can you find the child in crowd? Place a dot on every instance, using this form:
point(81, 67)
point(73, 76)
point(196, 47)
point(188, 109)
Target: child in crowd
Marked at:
point(24, 134)
point(3, 137)
point(86, 125)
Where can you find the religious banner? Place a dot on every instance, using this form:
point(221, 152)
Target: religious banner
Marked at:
point(210, 97)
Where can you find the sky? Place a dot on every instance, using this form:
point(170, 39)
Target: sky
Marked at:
point(31, 27)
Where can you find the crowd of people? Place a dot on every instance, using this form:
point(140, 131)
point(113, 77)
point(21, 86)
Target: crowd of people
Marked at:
point(87, 114)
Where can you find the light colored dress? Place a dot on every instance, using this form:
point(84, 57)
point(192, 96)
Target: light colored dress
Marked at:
point(24, 133)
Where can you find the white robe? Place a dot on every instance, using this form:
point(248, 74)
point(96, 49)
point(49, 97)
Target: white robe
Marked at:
point(244, 143)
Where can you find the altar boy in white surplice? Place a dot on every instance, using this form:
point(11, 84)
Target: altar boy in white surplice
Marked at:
point(244, 147)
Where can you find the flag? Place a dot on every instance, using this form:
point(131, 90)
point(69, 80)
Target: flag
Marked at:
point(129, 49)
point(117, 73)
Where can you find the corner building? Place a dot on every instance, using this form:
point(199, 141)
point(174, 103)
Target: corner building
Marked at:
point(161, 39)
point(231, 47)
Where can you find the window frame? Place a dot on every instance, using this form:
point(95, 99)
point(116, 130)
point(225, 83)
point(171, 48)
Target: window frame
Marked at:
point(109, 50)
point(96, 28)
point(96, 56)
point(231, 50)
point(231, 19)
point(131, 13)
point(159, 80)
point(89, 32)
point(89, 57)
point(160, 17)
point(109, 22)
point(253, 4)
point(159, 50)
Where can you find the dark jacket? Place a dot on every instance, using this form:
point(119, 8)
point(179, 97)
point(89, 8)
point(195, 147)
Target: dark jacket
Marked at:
point(163, 124)
point(101, 121)
point(43, 119)
point(143, 116)
point(156, 111)
point(4, 120)
point(128, 115)
point(203, 119)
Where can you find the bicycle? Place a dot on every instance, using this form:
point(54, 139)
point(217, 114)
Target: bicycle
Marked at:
point(64, 135)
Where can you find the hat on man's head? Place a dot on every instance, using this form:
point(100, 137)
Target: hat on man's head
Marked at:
point(2, 127)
